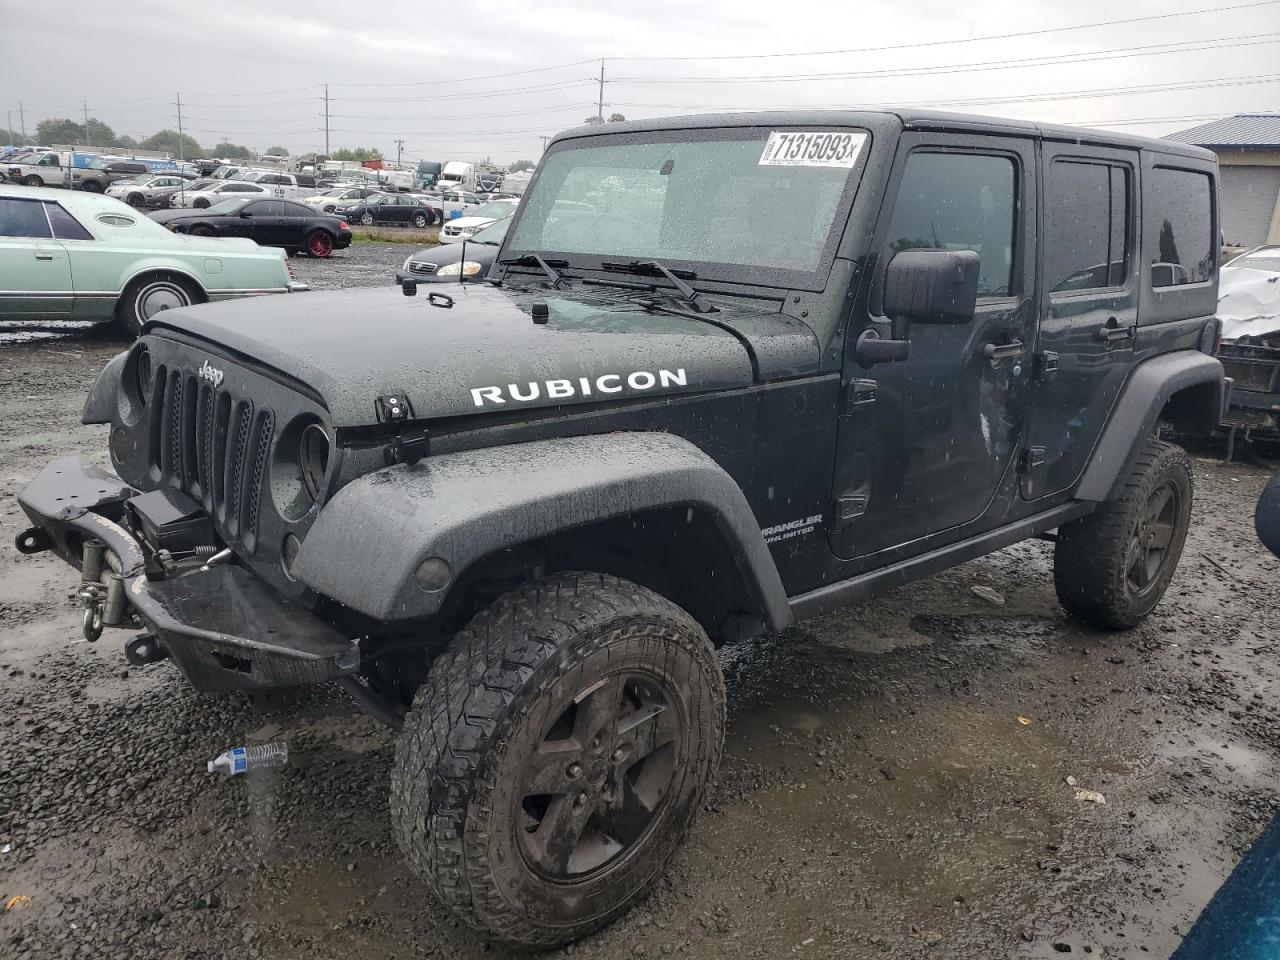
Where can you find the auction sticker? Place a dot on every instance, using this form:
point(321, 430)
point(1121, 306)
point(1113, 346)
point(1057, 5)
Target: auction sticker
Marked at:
point(811, 149)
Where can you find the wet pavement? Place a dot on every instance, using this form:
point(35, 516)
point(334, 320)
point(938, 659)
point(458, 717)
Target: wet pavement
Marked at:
point(895, 781)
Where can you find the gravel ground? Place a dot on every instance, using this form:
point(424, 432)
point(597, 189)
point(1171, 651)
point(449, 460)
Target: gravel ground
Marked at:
point(881, 794)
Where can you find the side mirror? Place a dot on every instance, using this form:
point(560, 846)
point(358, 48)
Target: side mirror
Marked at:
point(931, 286)
point(246, 214)
point(920, 286)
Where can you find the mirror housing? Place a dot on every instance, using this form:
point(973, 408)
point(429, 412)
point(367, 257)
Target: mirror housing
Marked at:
point(246, 214)
point(931, 286)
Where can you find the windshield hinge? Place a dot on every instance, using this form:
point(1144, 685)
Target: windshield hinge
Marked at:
point(859, 394)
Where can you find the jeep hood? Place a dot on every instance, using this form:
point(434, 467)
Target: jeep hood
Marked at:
point(484, 354)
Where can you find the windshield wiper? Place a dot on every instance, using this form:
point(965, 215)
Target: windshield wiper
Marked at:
point(652, 267)
point(547, 266)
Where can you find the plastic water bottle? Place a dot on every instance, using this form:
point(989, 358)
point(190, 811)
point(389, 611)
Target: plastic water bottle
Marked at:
point(262, 756)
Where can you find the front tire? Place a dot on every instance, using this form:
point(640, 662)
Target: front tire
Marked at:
point(1112, 567)
point(366, 218)
point(420, 220)
point(91, 186)
point(148, 296)
point(200, 203)
point(556, 755)
point(31, 180)
point(136, 200)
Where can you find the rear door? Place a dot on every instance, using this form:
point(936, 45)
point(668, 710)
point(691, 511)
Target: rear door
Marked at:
point(35, 271)
point(1089, 308)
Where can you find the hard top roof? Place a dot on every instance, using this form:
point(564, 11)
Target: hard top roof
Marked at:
point(886, 118)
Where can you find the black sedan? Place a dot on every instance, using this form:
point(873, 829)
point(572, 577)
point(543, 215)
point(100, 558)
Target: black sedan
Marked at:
point(271, 223)
point(397, 208)
point(446, 263)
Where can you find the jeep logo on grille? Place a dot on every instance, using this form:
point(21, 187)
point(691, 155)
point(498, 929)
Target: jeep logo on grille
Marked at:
point(210, 373)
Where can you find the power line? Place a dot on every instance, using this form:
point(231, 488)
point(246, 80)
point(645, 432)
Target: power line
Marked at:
point(489, 76)
point(1186, 46)
point(958, 40)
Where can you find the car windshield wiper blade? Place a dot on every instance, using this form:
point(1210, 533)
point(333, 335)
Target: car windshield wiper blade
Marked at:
point(652, 267)
point(546, 266)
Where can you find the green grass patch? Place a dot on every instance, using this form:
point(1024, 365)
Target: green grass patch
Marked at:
point(420, 238)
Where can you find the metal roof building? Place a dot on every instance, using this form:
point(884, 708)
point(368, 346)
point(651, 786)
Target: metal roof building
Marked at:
point(1248, 149)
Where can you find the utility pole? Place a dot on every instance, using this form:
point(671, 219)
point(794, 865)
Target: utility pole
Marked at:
point(544, 144)
point(399, 150)
point(23, 121)
point(180, 144)
point(8, 125)
point(600, 103)
point(87, 141)
point(326, 120)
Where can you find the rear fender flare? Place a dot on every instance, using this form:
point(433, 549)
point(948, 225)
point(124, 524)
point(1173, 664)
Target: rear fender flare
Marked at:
point(1154, 383)
point(369, 540)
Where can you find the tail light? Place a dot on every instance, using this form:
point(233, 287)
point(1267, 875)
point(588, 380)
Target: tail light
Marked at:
point(344, 225)
point(289, 266)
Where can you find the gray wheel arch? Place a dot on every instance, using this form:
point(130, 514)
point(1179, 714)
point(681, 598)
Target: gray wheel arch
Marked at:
point(369, 540)
point(1185, 387)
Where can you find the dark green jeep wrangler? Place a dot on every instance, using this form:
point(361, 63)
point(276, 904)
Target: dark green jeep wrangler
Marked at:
point(729, 372)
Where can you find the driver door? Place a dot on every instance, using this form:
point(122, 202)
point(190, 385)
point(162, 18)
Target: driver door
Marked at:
point(925, 443)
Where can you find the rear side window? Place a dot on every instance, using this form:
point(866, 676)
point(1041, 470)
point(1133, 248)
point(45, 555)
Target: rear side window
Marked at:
point(1088, 217)
point(23, 218)
point(1182, 201)
point(65, 226)
point(959, 201)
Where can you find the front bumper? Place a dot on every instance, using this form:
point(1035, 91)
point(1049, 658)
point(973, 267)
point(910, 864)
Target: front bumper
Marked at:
point(223, 626)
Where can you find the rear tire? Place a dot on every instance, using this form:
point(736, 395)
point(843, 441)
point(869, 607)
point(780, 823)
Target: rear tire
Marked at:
point(150, 295)
point(319, 244)
point(1112, 567)
point(556, 755)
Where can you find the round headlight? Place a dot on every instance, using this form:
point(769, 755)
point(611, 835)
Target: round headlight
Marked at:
point(313, 457)
point(142, 371)
point(468, 268)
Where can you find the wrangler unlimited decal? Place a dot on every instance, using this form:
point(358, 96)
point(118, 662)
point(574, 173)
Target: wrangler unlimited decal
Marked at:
point(606, 383)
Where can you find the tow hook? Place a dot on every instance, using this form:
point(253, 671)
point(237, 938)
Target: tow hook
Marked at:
point(143, 649)
point(101, 591)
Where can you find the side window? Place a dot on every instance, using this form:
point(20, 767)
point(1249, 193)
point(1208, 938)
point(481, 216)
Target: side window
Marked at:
point(65, 226)
point(1182, 201)
point(23, 218)
point(1086, 246)
point(959, 201)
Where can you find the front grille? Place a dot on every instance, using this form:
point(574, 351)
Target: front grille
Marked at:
point(417, 266)
point(213, 446)
point(1250, 376)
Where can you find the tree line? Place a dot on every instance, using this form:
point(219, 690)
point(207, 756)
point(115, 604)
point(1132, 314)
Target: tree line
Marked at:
point(97, 134)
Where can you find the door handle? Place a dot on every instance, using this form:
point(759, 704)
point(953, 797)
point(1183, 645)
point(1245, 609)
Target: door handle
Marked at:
point(44, 256)
point(1002, 351)
point(1108, 334)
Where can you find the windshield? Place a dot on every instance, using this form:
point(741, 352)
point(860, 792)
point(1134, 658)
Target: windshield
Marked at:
point(493, 234)
point(730, 197)
point(494, 211)
point(230, 205)
point(1263, 260)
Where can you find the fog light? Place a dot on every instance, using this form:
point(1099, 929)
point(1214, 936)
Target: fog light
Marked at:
point(289, 553)
point(432, 575)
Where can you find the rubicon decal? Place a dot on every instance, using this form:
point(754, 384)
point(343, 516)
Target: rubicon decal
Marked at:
point(604, 385)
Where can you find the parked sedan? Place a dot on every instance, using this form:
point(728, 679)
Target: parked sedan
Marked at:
point(148, 189)
point(449, 265)
point(271, 223)
point(84, 256)
point(463, 228)
point(395, 208)
point(199, 199)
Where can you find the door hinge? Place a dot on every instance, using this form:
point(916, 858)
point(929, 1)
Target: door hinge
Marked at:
point(847, 509)
point(1046, 365)
point(1031, 458)
point(859, 394)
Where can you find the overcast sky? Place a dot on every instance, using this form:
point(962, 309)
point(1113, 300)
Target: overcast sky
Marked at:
point(253, 72)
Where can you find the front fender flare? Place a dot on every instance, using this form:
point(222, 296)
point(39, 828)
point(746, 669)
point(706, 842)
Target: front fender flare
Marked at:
point(100, 405)
point(1139, 406)
point(369, 540)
